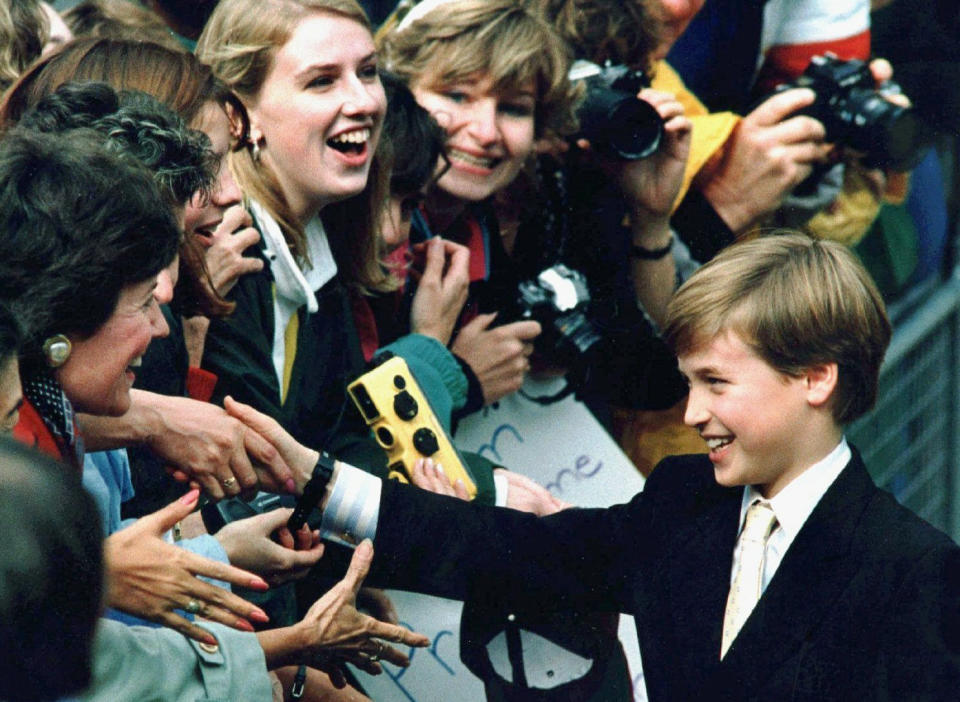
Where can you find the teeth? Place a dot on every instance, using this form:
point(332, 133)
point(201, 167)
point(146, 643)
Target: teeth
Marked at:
point(358, 136)
point(471, 159)
point(714, 444)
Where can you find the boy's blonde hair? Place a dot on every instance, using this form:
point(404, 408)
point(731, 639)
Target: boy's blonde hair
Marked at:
point(797, 302)
point(239, 43)
point(501, 39)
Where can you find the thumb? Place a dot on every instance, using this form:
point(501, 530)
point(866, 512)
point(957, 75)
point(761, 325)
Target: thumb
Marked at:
point(163, 519)
point(359, 566)
point(524, 330)
point(775, 108)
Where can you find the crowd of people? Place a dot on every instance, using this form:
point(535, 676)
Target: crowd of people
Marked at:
point(217, 214)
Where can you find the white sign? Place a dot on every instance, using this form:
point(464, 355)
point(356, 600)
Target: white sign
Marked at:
point(564, 448)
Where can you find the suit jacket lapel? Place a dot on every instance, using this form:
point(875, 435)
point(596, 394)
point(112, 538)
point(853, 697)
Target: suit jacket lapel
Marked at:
point(811, 576)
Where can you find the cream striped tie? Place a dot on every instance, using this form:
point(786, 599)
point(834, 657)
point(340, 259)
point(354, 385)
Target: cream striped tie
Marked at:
point(747, 584)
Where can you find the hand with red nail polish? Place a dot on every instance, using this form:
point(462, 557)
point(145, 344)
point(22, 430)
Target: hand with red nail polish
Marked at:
point(152, 579)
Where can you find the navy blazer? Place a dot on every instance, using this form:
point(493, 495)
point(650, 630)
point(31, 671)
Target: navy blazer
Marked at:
point(864, 606)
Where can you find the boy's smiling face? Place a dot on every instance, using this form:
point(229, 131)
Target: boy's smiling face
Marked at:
point(762, 427)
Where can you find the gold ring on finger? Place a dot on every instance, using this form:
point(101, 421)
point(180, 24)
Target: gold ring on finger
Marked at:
point(192, 607)
point(229, 482)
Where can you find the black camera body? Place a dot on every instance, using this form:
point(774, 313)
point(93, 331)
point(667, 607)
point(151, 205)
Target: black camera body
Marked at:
point(855, 114)
point(611, 116)
point(558, 299)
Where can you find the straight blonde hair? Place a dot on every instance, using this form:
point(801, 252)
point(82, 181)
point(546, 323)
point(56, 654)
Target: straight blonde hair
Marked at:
point(797, 302)
point(239, 43)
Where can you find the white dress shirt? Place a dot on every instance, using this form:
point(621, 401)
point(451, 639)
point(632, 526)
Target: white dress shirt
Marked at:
point(792, 505)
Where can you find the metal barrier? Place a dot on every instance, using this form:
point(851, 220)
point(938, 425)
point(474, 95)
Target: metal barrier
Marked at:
point(911, 439)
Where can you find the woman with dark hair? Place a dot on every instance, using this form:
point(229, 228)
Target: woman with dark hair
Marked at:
point(86, 237)
point(164, 429)
point(414, 146)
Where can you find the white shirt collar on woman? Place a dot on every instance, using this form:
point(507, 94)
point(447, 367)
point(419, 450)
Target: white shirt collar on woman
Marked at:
point(293, 287)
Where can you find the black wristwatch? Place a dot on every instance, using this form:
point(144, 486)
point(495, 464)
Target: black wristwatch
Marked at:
point(312, 491)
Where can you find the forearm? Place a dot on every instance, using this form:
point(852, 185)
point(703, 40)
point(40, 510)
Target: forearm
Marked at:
point(283, 646)
point(140, 422)
point(654, 279)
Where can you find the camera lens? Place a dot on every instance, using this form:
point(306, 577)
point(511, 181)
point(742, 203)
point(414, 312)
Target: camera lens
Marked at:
point(894, 132)
point(620, 123)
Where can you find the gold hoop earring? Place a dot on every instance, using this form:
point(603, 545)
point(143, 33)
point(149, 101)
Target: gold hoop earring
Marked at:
point(57, 350)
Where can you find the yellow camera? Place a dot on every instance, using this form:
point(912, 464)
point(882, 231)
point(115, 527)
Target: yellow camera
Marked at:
point(404, 423)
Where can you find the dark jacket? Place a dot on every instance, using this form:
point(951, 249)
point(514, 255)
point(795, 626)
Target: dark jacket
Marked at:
point(864, 606)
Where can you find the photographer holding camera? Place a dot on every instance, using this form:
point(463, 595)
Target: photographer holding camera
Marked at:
point(745, 172)
point(485, 198)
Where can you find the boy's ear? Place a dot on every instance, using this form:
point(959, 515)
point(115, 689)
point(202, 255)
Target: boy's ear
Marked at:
point(820, 382)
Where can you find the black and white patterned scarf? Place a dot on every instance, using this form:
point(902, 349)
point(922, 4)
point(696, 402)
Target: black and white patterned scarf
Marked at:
point(46, 396)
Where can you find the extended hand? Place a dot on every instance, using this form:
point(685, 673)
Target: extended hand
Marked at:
point(300, 458)
point(336, 633)
point(149, 578)
point(249, 545)
point(500, 357)
point(207, 446)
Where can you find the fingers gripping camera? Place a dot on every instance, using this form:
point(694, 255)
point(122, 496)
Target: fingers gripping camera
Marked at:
point(404, 424)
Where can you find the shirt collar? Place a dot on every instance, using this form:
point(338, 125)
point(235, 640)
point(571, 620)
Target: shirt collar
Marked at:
point(794, 503)
point(293, 283)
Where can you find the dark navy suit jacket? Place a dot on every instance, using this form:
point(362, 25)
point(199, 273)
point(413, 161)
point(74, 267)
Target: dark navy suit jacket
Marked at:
point(865, 604)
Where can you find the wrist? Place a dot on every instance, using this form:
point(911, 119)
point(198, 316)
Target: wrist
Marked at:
point(144, 419)
point(734, 215)
point(303, 467)
point(653, 235)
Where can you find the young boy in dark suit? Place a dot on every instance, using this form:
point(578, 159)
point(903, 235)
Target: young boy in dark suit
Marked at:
point(771, 568)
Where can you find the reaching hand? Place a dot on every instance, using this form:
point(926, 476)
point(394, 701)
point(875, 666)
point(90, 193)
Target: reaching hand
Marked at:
point(500, 357)
point(768, 154)
point(527, 496)
point(300, 458)
point(150, 578)
point(336, 633)
point(249, 545)
point(442, 290)
point(210, 448)
point(225, 246)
